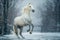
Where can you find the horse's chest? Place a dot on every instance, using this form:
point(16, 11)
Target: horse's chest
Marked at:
point(27, 19)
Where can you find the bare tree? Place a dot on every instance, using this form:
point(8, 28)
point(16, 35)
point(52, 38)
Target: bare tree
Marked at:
point(50, 16)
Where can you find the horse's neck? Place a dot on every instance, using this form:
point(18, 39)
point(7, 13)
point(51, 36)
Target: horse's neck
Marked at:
point(26, 15)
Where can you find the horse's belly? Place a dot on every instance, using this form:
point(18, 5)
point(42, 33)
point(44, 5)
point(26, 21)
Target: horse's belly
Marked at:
point(21, 23)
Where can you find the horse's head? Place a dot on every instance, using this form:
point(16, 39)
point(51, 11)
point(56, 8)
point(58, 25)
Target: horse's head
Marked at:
point(28, 8)
point(31, 7)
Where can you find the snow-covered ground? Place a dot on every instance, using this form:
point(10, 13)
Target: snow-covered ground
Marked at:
point(33, 36)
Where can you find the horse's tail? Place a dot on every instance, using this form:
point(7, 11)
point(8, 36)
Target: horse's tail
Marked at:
point(15, 30)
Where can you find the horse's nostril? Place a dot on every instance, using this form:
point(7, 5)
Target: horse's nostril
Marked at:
point(33, 10)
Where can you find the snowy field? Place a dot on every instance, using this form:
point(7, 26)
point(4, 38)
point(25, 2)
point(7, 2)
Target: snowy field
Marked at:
point(33, 36)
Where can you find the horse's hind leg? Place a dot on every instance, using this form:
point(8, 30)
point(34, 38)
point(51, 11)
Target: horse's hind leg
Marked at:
point(21, 29)
point(15, 30)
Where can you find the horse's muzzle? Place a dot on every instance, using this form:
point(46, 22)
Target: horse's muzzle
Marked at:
point(33, 10)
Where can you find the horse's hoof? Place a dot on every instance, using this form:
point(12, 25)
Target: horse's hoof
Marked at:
point(18, 37)
point(30, 32)
point(23, 37)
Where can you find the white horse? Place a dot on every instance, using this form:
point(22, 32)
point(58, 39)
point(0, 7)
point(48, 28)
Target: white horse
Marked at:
point(24, 20)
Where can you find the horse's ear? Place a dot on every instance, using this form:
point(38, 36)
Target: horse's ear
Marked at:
point(29, 3)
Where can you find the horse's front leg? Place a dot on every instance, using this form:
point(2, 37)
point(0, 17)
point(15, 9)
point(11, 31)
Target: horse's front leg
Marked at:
point(32, 29)
point(28, 29)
